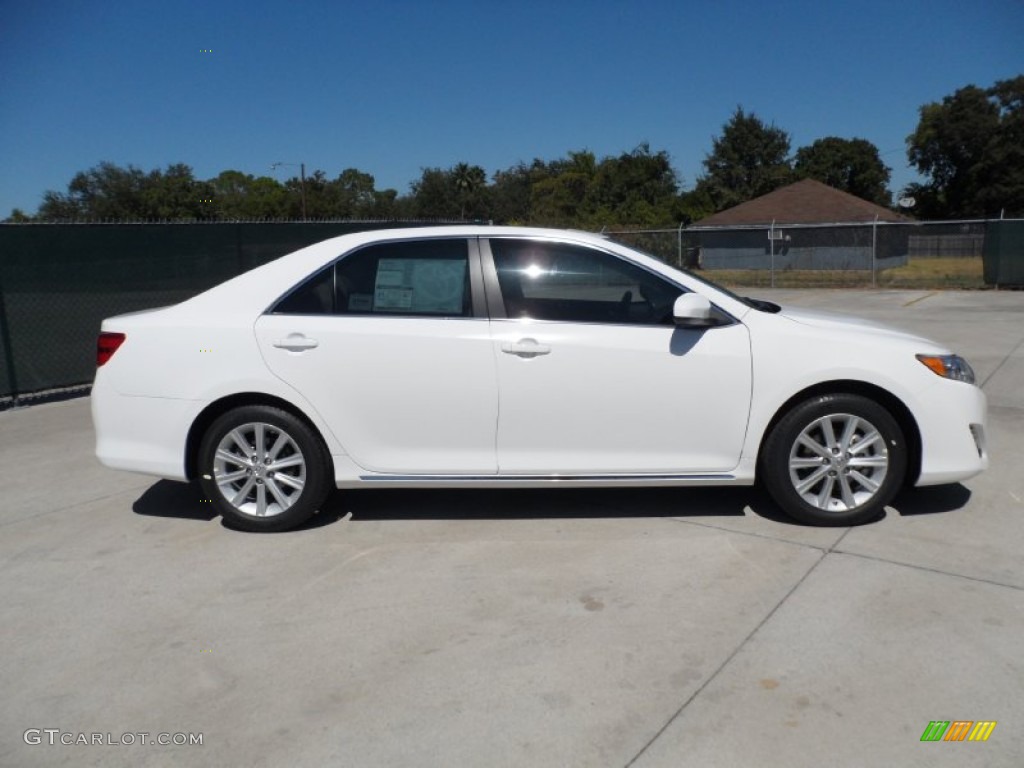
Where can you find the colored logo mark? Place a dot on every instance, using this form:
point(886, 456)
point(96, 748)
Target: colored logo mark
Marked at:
point(958, 730)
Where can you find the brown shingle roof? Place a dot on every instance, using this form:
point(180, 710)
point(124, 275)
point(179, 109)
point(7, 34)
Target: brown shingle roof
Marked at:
point(805, 202)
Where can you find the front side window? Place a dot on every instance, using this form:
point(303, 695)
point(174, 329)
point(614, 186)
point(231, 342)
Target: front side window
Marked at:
point(571, 283)
point(422, 277)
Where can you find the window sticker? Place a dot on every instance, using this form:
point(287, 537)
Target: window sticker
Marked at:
point(432, 286)
point(360, 302)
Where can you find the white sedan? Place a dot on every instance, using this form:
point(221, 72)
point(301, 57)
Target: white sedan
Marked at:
point(512, 357)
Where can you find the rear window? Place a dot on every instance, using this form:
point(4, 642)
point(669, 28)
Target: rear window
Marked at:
point(417, 278)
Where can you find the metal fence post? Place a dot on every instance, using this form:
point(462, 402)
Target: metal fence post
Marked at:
point(771, 247)
point(874, 245)
point(5, 342)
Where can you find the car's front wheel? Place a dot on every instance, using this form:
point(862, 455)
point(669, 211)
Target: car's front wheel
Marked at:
point(834, 460)
point(263, 468)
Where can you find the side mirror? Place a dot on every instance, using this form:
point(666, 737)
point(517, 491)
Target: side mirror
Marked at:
point(692, 310)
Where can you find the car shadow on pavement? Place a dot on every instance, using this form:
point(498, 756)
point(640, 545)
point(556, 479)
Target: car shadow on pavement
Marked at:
point(186, 501)
point(167, 498)
point(544, 503)
point(931, 500)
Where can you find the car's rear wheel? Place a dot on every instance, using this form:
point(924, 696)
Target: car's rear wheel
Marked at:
point(263, 468)
point(834, 460)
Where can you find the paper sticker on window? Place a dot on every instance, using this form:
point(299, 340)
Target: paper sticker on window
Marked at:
point(432, 286)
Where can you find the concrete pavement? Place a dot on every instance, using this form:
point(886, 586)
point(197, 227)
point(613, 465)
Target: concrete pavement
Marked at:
point(650, 628)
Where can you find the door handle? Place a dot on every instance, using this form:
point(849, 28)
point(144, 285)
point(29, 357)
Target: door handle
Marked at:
point(527, 348)
point(296, 342)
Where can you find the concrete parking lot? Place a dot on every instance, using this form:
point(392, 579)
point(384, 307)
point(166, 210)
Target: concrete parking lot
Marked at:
point(618, 628)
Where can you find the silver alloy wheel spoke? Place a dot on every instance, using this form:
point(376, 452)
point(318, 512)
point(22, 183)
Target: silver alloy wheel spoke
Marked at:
point(867, 482)
point(239, 440)
point(259, 469)
point(288, 480)
point(278, 495)
point(868, 461)
point(813, 445)
point(866, 442)
point(231, 477)
point(838, 462)
point(846, 491)
point(813, 478)
point(233, 458)
point(242, 492)
point(281, 442)
point(291, 461)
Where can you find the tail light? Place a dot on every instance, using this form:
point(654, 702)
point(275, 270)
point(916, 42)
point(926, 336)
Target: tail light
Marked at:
point(106, 346)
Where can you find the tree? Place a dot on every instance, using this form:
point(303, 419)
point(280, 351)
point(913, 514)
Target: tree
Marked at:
point(510, 192)
point(108, 192)
point(560, 190)
point(17, 216)
point(970, 147)
point(748, 160)
point(457, 192)
point(468, 180)
point(852, 165)
point(638, 188)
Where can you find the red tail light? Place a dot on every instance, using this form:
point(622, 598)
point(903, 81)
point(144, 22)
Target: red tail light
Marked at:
point(106, 346)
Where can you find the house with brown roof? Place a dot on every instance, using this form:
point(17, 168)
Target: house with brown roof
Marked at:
point(805, 225)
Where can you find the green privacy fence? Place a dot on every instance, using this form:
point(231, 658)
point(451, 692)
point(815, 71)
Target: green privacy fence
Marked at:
point(58, 282)
point(1004, 253)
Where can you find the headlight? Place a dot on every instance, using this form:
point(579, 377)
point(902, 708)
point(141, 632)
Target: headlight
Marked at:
point(949, 367)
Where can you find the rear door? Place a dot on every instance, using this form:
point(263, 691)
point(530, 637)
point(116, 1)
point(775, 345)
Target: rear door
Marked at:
point(391, 346)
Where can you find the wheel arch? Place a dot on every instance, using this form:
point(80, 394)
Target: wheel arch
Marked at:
point(893, 404)
point(221, 406)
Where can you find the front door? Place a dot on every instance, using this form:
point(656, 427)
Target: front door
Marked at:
point(595, 379)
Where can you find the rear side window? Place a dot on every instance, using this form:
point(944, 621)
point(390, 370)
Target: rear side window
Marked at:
point(418, 278)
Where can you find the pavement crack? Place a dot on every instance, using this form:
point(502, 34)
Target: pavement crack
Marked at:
point(929, 569)
point(999, 367)
point(727, 660)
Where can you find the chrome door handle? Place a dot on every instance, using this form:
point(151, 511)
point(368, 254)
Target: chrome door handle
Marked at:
point(525, 348)
point(296, 343)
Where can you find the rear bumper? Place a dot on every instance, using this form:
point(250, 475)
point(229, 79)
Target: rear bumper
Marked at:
point(141, 434)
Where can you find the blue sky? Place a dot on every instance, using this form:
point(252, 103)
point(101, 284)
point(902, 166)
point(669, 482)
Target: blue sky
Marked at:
point(390, 87)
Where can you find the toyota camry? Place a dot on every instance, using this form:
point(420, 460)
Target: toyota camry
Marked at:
point(511, 357)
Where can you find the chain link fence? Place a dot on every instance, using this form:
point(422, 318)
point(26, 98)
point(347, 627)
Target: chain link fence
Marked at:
point(59, 281)
point(953, 254)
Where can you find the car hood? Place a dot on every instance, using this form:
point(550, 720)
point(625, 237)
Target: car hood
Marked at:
point(839, 322)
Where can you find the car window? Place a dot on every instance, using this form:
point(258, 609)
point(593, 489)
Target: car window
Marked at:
point(315, 296)
point(423, 277)
point(558, 281)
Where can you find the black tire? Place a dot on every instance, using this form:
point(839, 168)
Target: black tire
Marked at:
point(290, 494)
point(834, 487)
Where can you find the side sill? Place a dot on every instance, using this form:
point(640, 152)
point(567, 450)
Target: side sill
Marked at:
point(543, 481)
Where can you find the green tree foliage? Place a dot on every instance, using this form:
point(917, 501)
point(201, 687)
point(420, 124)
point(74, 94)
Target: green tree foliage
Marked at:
point(970, 147)
point(108, 192)
point(852, 165)
point(561, 194)
point(456, 193)
point(18, 216)
point(748, 160)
